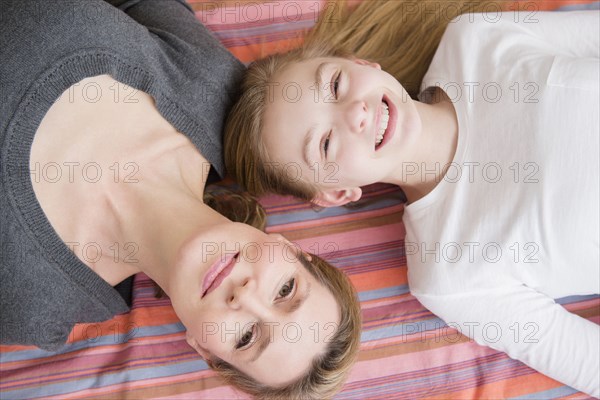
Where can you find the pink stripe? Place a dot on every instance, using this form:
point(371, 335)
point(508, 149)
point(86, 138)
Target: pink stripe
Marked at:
point(397, 300)
point(371, 369)
point(128, 386)
point(340, 219)
point(247, 13)
point(219, 393)
point(350, 240)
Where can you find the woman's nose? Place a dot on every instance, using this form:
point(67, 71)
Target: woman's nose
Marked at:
point(242, 294)
point(356, 115)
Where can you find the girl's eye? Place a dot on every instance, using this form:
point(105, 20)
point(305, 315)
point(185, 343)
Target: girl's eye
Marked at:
point(336, 84)
point(246, 338)
point(326, 144)
point(287, 289)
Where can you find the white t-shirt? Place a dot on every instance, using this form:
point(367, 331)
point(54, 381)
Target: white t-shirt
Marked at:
point(514, 223)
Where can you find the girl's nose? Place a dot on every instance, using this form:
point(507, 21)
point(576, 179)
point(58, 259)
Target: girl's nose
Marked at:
point(356, 115)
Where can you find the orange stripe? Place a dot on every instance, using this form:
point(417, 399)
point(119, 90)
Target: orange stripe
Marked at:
point(415, 345)
point(379, 279)
point(253, 52)
point(122, 324)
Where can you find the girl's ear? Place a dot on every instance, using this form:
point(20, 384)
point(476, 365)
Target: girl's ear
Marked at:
point(337, 197)
point(366, 62)
point(196, 346)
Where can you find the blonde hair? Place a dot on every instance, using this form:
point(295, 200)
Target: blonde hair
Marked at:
point(400, 35)
point(329, 370)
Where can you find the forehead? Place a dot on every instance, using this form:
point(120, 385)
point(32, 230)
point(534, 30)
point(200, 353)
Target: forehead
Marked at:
point(303, 69)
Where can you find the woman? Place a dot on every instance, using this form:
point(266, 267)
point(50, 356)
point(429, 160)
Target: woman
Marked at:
point(497, 157)
point(108, 134)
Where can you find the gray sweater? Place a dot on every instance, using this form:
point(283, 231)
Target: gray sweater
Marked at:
point(156, 46)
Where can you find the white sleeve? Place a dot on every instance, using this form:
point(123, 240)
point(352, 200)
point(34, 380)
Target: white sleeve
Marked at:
point(567, 33)
point(529, 327)
point(571, 33)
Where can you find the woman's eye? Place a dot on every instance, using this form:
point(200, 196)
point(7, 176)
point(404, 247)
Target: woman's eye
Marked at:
point(336, 84)
point(246, 338)
point(287, 288)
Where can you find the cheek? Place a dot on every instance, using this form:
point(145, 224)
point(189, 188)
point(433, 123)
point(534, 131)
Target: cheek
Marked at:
point(350, 155)
point(284, 149)
point(214, 331)
point(213, 341)
point(343, 166)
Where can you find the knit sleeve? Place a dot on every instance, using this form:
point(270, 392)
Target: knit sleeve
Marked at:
point(124, 5)
point(170, 19)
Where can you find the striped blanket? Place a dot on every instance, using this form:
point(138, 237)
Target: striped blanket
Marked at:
point(406, 352)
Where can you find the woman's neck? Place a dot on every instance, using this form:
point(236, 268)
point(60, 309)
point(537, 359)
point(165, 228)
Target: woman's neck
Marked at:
point(129, 186)
point(156, 215)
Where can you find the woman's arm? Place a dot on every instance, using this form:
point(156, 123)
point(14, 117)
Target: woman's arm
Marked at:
point(125, 4)
point(530, 327)
point(170, 17)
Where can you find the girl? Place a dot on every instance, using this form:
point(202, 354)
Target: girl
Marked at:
point(107, 136)
point(497, 156)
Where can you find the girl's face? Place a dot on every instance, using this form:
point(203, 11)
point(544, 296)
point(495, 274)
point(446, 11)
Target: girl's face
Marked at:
point(245, 298)
point(338, 123)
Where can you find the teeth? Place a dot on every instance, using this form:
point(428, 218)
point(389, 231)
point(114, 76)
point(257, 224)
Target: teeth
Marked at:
point(383, 123)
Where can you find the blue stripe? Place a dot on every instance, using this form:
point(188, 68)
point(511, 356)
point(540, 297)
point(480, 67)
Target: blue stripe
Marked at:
point(580, 7)
point(548, 394)
point(382, 293)
point(576, 299)
point(408, 328)
point(107, 379)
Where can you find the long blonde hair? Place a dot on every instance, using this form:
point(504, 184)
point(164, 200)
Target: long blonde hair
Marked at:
point(400, 35)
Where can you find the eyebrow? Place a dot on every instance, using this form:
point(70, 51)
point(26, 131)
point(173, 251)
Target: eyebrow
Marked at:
point(308, 139)
point(266, 339)
point(298, 302)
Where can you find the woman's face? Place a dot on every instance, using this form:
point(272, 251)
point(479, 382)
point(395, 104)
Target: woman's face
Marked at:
point(325, 119)
point(245, 298)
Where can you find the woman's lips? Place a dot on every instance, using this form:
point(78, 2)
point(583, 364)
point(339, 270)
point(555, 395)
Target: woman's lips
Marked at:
point(391, 128)
point(218, 272)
